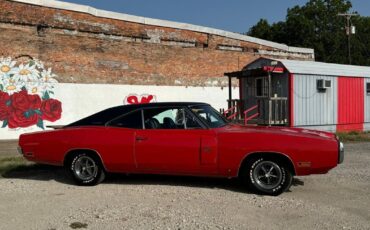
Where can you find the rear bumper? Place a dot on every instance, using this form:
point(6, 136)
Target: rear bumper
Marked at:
point(20, 151)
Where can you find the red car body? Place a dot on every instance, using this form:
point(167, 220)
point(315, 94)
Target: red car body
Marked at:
point(206, 151)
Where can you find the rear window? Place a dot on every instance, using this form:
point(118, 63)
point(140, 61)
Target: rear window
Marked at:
point(101, 118)
point(132, 121)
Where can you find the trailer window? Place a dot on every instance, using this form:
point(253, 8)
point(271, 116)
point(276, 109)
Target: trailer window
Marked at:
point(368, 88)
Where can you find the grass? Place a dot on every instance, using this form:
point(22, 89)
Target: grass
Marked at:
point(354, 136)
point(10, 163)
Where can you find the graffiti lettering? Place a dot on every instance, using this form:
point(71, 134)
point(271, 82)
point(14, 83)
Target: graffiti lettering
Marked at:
point(139, 99)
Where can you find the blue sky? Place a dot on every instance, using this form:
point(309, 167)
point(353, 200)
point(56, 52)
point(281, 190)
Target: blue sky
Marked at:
point(232, 15)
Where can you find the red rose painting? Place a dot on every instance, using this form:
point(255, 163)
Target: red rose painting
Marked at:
point(20, 119)
point(4, 108)
point(34, 101)
point(19, 101)
point(51, 110)
point(4, 97)
point(22, 110)
point(25, 94)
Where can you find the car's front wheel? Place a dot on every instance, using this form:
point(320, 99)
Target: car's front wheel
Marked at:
point(268, 176)
point(86, 169)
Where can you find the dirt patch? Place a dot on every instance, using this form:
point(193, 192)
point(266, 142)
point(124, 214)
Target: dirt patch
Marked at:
point(77, 225)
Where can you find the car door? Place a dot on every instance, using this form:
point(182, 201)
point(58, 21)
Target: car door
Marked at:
point(118, 142)
point(168, 145)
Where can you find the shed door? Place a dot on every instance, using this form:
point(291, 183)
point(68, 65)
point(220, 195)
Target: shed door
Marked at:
point(350, 104)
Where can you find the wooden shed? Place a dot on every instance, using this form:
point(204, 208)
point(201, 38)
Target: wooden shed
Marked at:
point(307, 94)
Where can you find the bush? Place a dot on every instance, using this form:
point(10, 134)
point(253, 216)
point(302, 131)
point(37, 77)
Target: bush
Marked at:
point(354, 136)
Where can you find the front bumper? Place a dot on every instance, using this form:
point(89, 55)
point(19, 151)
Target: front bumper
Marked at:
point(341, 153)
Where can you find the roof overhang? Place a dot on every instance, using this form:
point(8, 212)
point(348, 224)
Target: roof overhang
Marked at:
point(257, 71)
point(262, 65)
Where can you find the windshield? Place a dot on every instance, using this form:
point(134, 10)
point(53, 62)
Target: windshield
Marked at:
point(209, 115)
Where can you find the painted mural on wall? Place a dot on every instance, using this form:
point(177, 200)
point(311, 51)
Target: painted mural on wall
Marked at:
point(139, 99)
point(26, 94)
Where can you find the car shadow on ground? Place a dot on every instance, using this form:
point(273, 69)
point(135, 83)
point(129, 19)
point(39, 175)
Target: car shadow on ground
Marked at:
point(38, 172)
point(47, 173)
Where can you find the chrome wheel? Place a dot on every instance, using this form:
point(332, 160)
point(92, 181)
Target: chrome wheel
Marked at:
point(267, 174)
point(85, 168)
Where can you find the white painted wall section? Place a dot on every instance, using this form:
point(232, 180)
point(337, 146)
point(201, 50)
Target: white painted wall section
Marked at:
point(81, 100)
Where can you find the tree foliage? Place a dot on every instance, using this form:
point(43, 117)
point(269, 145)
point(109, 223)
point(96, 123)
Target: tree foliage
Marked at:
point(317, 25)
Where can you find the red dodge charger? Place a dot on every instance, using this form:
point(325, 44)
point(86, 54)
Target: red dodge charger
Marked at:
point(183, 139)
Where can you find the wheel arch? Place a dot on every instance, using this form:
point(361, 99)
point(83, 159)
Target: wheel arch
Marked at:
point(277, 155)
point(72, 152)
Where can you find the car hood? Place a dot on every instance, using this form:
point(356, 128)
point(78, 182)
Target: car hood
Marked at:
point(233, 128)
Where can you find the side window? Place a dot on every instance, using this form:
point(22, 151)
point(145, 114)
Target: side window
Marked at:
point(209, 115)
point(368, 88)
point(132, 121)
point(170, 118)
point(164, 118)
point(191, 121)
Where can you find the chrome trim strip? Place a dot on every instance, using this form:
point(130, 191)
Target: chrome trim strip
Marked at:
point(19, 149)
point(341, 153)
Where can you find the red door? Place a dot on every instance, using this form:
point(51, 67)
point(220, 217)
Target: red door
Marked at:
point(351, 104)
point(183, 151)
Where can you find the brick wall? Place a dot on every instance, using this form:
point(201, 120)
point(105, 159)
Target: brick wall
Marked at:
point(82, 48)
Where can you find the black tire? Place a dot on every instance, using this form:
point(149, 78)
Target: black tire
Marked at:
point(85, 169)
point(267, 176)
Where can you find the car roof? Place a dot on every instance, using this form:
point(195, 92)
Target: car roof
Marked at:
point(108, 114)
point(161, 104)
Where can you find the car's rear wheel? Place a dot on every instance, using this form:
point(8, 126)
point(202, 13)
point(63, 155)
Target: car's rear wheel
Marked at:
point(267, 176)
point(86, 169)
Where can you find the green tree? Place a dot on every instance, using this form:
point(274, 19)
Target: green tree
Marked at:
point(361, 41)
point(317, 25)
point(262, 30)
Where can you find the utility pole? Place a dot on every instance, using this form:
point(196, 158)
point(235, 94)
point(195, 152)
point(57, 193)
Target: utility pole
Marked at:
point(349, 31)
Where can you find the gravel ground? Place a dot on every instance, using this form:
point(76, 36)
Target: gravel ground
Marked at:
point(42, 197)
